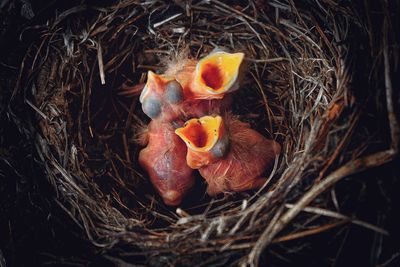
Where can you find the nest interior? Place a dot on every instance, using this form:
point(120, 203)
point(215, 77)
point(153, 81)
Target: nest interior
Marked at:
point(295, 91)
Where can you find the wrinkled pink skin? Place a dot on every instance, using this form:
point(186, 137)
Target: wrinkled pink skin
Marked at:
point(193, 109)
point(200, 108)
point(164, 161)
point(249, 157)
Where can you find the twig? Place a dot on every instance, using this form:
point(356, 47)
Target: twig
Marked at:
point(392, 258)
point(308, 232)
point(36, 109)
point(101, 65)
point(352, 167)
point(158, 24)
point(329, 213)
point(393, 123)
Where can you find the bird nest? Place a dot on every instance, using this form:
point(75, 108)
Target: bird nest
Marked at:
point(295, 91)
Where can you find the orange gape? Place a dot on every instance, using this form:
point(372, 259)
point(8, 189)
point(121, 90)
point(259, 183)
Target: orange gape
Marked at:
point(164, 161)
point(230, 155)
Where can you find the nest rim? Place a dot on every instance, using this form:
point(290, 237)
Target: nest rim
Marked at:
point(310, 135)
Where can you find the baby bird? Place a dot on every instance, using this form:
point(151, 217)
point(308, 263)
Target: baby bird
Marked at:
point(164, 161)
point(192, 89)
point(229, 154)
point(188, 89)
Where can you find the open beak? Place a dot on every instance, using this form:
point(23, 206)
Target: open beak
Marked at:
point(201, 137)
point(217, 74)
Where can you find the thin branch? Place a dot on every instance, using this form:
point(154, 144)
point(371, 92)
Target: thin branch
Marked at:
point(308, 232)
point(101, 65)
point(337, 215)
point(352, 167)
point(393, 123)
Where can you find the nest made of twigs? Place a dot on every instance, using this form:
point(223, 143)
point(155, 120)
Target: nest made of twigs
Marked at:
point(295, 91)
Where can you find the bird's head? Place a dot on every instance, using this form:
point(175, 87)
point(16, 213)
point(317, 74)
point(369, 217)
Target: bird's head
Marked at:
point(159, 91)
point(217, 74)
point(206, 139)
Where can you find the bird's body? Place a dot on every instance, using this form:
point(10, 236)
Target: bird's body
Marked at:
point(235, 160)
point(164, 160)
point(249, 156)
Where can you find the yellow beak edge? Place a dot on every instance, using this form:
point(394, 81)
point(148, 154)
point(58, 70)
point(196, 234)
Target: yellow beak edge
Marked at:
point(201, 134)
point(217, 74)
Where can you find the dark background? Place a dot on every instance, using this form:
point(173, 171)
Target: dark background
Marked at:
point(34, 231)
